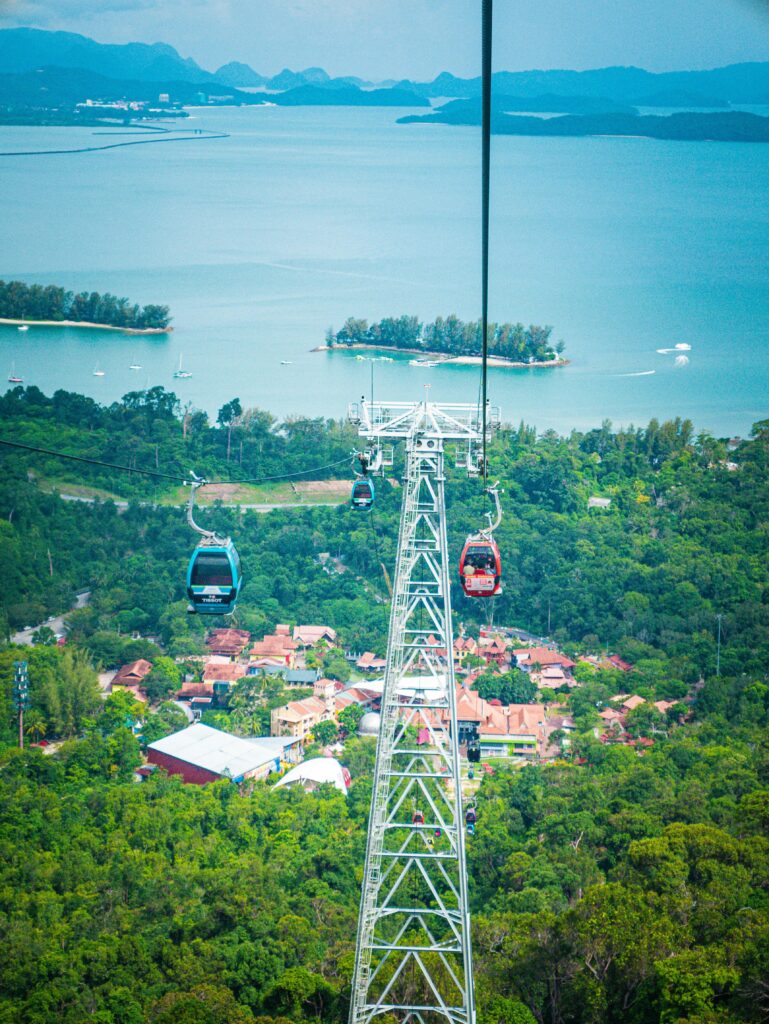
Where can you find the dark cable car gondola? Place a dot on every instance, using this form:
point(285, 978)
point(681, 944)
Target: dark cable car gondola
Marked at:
point(363, 492)
point(480, 564)
point(214, 575)
point(362, 497)
point(470, 817)
point(474, 751)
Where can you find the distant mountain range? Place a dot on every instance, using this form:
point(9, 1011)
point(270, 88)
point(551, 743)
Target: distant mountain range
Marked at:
point(737, 83)
point(27, 49)
point(41, 69)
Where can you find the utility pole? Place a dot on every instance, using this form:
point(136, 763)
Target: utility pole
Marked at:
point(20, 695)
point(718, 645)
point(413, 956)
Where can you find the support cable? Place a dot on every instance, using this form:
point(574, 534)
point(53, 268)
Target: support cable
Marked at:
point(485, 180)
point(179, 478)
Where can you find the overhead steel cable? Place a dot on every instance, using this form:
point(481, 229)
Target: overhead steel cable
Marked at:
point(156, 474)
point(486, 32)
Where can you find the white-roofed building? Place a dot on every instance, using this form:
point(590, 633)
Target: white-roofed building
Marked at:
point(201, 754)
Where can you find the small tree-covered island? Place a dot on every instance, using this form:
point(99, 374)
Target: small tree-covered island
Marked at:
point(452, 340)
point(51, 305)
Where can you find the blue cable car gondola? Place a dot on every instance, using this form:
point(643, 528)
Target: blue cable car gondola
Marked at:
point(214, 577)
point(363, 494)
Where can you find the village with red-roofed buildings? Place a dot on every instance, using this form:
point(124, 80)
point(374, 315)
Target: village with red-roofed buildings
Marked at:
point(293, 657)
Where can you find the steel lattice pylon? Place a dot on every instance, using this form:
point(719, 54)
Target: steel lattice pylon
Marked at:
point(413, 957)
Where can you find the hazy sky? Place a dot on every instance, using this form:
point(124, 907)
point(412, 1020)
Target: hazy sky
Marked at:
point(419, 38)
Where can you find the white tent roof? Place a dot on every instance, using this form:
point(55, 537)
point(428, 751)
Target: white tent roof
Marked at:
point(318, 770)
point(426, 687)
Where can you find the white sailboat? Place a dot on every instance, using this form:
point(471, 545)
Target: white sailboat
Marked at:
point(181, 374)
point(13, 378)
point(98, 372)
point(135, 366)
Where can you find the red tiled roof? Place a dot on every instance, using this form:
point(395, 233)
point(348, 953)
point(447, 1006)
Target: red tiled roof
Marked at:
point(370, 660)
point(227, 673)
point(203, 689)
point(542, 656)
point(133, 673)
point(633, 702)
point(498, 720)
point(228, 641)
point(275, 645)
point(494, 644)
point(310, 635)
point(617, 662)
point(664, 705)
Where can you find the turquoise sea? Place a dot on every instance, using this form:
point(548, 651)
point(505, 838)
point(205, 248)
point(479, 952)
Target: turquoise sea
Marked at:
point(303, 217)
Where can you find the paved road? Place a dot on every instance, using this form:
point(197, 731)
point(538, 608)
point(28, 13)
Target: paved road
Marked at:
point(123, 505)
point(24, 636)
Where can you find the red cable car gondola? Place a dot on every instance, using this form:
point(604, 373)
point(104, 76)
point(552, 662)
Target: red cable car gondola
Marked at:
point(480, 566)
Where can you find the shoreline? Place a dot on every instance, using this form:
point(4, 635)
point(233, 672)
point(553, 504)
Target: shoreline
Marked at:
point(85, 323)
point(441, 357)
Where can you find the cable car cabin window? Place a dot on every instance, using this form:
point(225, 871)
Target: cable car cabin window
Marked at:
point(482, 559)
point(211, 569)
point(363, 490)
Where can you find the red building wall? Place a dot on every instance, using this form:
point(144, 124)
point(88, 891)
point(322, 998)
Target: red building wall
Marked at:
point(175, 766)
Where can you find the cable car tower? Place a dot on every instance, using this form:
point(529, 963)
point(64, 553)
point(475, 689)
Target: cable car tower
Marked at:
point(413, 957)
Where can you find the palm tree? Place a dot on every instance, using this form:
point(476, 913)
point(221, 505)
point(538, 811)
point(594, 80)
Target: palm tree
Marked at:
point(35, 726)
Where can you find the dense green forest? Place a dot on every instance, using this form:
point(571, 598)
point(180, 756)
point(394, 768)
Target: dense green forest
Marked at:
point(451, 336)
point(605, 887)
point(20, 301)
point(621, 889)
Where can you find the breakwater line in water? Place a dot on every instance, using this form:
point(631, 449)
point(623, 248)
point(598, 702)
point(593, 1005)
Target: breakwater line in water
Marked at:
point(201, 135)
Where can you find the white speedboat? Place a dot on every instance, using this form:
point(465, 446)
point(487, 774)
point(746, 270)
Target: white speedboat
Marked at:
point(23, 327)
point(97, 372)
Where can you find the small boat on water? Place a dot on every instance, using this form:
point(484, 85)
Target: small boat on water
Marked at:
point(135, 366)
point(181, 374)
point(97, 372)
point(13, 378)
point(23, 327)
point(285, 362)
point(423, 362)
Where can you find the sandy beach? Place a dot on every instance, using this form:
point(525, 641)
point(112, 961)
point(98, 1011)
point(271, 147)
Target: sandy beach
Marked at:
point(441, 357)
point(84, 323)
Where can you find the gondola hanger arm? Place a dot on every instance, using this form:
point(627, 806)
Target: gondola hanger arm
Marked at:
point(194, 483)
point(494, 492)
